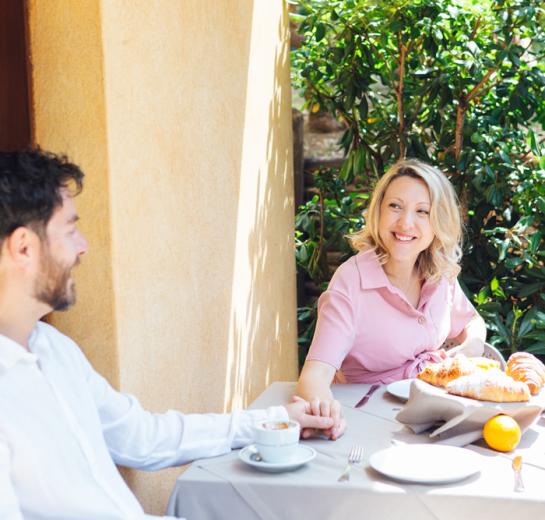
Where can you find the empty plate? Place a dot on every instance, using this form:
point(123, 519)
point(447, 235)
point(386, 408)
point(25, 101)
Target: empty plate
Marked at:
point(426, 463)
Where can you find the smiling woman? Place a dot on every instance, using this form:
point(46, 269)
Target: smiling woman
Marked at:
point(388, 310)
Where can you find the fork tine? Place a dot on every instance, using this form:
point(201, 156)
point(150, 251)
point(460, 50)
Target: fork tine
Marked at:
point(353, 453)
point(358, 454)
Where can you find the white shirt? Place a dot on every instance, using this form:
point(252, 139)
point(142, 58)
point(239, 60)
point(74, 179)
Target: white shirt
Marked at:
point(63, 428)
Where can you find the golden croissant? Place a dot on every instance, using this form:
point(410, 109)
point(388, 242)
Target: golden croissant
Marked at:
point(491, 385)
point(525, 367)
point(439, 374)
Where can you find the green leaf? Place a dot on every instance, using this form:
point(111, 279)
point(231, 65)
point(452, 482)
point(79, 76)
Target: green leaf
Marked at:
point(533, 143)
point(526, 326)
point(319, 32)
point(494, 284)
point(505, 158)
point(534, 241)
point(530, 289)
point(476, 138)
point(540, 202)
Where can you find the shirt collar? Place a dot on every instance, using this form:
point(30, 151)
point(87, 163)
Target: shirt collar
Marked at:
point(373, 276)
point(371, 273)
point(12, 353)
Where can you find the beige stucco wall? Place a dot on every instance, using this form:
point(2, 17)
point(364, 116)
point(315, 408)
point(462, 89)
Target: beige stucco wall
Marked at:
point(179, 112)
point(69, 116)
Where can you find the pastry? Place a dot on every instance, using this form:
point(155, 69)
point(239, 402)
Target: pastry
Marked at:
point(485, 363)
point(490, 385)
point(439, 374)
point(525, 367)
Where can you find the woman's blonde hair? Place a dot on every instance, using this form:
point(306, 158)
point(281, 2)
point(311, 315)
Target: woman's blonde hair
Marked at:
point(442, 257)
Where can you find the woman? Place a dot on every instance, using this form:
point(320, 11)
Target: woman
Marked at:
point(388, 309)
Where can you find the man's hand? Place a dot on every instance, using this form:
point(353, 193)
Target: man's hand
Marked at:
point(317, 417)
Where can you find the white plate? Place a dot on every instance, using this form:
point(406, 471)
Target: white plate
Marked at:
point(249, 455)
point(426, 463)
point(400, 389)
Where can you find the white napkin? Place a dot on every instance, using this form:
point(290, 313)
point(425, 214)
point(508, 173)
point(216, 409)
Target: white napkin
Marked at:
point(461, 418)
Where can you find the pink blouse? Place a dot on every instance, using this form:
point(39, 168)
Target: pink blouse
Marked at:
point(368, 329)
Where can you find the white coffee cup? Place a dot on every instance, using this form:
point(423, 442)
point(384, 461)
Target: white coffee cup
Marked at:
point(277, 441)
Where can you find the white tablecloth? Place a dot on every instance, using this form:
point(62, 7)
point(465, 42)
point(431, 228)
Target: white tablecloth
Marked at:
point(225, 488)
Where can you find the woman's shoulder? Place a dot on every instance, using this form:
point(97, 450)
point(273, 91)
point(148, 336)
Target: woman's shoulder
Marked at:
point(445, 289)
point(348, 275)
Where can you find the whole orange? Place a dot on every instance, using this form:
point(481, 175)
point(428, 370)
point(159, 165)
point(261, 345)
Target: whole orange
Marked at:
point(502, 433)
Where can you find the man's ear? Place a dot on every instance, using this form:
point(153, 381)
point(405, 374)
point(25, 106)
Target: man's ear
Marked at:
point(22, 246)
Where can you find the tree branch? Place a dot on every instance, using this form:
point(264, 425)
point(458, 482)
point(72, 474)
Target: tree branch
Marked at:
point(476, 90)
point(475, 29)
point(399, 94)
point(459, 132)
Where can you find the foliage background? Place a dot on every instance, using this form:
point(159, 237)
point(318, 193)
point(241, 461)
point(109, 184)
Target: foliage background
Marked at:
point(459, 84)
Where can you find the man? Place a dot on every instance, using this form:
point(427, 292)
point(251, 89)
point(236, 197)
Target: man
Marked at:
point(62, 427)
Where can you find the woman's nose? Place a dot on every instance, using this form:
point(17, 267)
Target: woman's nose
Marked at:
point(406, 218)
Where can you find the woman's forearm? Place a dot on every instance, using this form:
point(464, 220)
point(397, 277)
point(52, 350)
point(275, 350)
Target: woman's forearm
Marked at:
point(476, 328)
point(315, 381)
point(471, 339)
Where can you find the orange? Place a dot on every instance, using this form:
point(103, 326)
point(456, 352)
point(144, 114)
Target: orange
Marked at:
point(502, 433)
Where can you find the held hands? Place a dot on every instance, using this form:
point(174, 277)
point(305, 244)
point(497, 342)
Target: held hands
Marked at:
point(317, 417)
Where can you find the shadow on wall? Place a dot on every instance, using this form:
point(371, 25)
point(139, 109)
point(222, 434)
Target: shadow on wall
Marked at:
point(262, 333)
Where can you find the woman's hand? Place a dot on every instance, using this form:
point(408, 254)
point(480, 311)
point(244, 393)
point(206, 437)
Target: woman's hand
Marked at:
point(314, 387)
point(318, 417)
point(329, 408)
point(300, 410)
point(471, 347)
point(471, 339)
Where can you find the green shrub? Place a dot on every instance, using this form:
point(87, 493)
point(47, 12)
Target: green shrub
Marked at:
point(459, 84)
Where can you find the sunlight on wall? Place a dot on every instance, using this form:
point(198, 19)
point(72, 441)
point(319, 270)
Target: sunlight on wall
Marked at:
point(188, 291)
point(262, 263)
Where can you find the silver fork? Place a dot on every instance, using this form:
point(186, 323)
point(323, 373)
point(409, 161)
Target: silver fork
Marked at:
point(354, 457)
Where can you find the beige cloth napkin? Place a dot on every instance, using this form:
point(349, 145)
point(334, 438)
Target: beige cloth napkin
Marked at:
point(458, 421)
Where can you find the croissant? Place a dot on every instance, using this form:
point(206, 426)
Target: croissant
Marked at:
point(526, 368)
point(439, 374)
point(485, 363)
point(491, 385)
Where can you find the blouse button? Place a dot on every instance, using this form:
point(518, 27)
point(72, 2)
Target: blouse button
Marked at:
point(421, 320)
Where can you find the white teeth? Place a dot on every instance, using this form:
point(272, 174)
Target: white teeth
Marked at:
point(403, 238)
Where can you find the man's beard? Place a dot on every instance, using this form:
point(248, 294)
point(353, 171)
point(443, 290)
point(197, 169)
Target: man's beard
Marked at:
point(52, 286)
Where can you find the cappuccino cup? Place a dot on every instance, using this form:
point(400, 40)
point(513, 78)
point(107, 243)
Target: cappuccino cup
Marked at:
point(277, 441)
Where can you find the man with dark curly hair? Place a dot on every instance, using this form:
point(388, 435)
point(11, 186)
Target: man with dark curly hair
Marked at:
point(62, 426)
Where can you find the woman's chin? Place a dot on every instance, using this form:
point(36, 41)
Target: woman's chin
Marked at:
point(403, 257)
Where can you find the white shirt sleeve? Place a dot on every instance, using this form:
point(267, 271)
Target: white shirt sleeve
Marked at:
point(9, 505)
point(140, 439)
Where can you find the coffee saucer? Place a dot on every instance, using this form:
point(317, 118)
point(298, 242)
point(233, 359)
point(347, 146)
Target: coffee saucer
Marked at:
point(249, 455)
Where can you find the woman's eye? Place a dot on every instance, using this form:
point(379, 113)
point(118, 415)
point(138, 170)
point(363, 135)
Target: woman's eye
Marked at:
point(423, 212)
point(394, 205)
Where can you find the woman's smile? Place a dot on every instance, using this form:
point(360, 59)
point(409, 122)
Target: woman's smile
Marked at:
point(403, 238)
point(404, 224)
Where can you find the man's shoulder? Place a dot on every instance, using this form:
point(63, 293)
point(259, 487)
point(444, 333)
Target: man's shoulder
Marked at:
point(50, 331)
point(55, 340)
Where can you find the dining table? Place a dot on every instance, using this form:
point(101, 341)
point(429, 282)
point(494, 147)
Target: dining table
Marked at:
point(225, 487)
